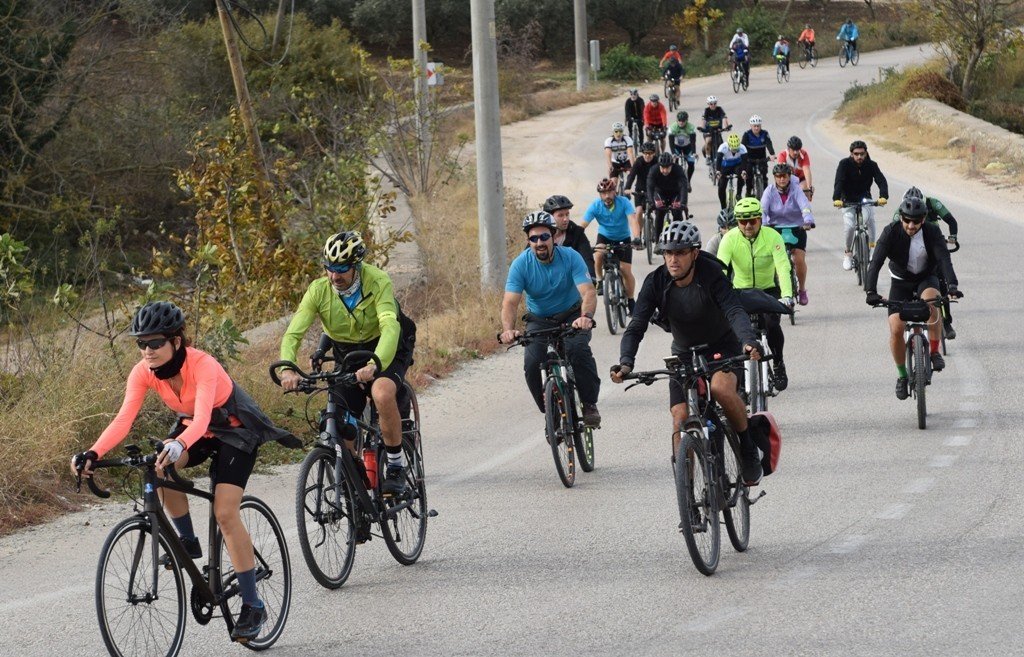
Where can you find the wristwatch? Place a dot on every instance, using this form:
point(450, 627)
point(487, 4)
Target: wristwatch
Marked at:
point(589, 316)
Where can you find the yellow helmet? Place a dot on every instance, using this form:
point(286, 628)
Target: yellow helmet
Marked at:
point(748, 208)
point(345, 248)
point(734, 141)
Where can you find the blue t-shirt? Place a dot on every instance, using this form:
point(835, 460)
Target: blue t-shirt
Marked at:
point(612, 223)
point(550, 287)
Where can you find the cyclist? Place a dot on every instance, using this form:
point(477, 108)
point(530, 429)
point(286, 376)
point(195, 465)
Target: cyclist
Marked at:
point(757, 257)
point(854, 176)
point(787, 210)
point(674, 72)
point(690, 296)
point(567, 233)
point(759, 147)
point(635, 112)
point(638, 177)
point(726, 221)
point(731, 159)
point(741, 56)
point(849, 33)
point(356, 305)
point(781, 49)
point(655, 121)
point(558, 290)
point(936, 212)
point(667, 189)
point(739, 37)
point(714, 119)
point(798, 160)
point(682, 139)
point(616, 225)
point(217, 421)
point(806, 38)
point(618, 151)
point(671, 54)
point(917, 254)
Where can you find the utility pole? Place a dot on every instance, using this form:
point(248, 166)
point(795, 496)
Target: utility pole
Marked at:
point(489, 184)
point(579, 14)
point(419, 56)
point(277, 26)
point(241, 88)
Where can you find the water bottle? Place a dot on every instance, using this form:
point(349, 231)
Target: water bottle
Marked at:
point(370, 462)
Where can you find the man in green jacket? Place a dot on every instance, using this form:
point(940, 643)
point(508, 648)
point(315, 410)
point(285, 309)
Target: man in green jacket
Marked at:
point(356, 305)
point(757, 256)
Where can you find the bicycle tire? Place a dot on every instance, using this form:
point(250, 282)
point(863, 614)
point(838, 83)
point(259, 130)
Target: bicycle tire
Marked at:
point(560, 431)
point(778, 73)
point(271, 552)
point(745, 82)
point(786, 74)
point(736, 511)
point(943, 317)
point(694, 492)
point(128, 546)
point(842, 57)
point(735, 83)
point(814, 57)
point(795, 283)
point(753, 384)
point(855, 57)
point(804, 61)
point(863, 261)
point(327, 508)
point(608, 302)
point(651, 237)
point(622, 309)
point(858, 255)
point(582, 436)
point(411, 520)
point(921, 379)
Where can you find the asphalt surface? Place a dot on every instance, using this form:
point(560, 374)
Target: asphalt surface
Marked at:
point(875, 538)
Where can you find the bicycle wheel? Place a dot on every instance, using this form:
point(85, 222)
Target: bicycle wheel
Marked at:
point(858, 255)
point(921, 378)
point(273, 572)
point(582, 436)
point(405, 523)
point(609, 303)
point(795, 284)
point(560, 430)
point(804, 60)
point(864, 259)
point(745, 81)
point(737, 501)
point(325, 515)
point(814, 57)
point(651, 237)
point(855, 57)
point(735, 82)
point(842, 57)
point(753, 385)
point(698, 504)
point(132, 622)
point(785, 74)
point(622, 309)
point(778, 73)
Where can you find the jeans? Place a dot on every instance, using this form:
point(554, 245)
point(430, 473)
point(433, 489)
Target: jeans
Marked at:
point(577, 353)
point(850, 222)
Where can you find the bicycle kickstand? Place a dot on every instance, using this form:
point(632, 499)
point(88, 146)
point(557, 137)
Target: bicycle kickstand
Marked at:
point(759, 496)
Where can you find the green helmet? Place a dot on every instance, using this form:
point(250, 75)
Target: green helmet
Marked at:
point(748, 208)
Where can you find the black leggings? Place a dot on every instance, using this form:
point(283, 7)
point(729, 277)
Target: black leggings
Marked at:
point(723, 181)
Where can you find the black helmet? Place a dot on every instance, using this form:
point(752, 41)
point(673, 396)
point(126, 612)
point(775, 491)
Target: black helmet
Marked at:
point(648, 147)
point(913, 207)
point(157, 317)
point(683, 116)
point(665, 160)
point(795, 143)
point(914, 192)
point(726, 218)
point(557, 202)
point(538, 218)
point(782, 169)
point(858, 144)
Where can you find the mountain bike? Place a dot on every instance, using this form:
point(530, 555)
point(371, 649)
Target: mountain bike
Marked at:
point(140, 578)
point(848, 54)
point(730, 190)
point(716, 143)
point(917, 315)
point(794, 281)
point(759, 171)
point(810, 56)
point(616, 303)
point(707, 462)
point(781, 69)
point(861, 248)
point(657, 135)
point(739, 77)
point(650, 239)
point(636, 133)
point(568, 436)
point(339, 494)
point(672, 93)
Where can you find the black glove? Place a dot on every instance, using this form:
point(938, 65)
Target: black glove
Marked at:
point(955, 293)
point(81, 459)
point(874, 298)
point(637, 243)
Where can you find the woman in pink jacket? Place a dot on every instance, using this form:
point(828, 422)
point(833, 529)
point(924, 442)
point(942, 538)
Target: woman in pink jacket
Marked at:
point(786, 209)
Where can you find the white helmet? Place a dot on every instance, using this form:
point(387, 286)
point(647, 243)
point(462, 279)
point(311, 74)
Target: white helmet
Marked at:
point(755, 120)
point(618, 127)
point(712, 100)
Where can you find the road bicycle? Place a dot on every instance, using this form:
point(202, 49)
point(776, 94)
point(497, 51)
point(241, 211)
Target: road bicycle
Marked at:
point(339, 494)
point(781, 69)
point(730, 190)
point(917, 314)
point(707, 462)
point(759, 375)
point(759, 171)
point(861, 246)
point(716, 143)
point(616, 302)
point(636, 133)
point(740, 78)
point(649, 235)
point(848, 53)
point(810, 56)
point(566, 433)
point(672, 93)
point(140, 593)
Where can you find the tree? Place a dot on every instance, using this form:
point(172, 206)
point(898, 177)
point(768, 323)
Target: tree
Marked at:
point(636, 19)
point(698, 18)
point(967, 30)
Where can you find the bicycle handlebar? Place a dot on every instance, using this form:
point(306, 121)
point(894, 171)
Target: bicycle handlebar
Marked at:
point(650, 376)
point(341, 373)
point(860, 204)
point(564, 330)
point(135, 459)
point(898, 305)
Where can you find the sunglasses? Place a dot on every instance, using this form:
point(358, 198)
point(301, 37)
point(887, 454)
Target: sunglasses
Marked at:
point(543, 237)
point(338, 269)
point(154, 344)
point(910, 220)
point(746, 222)
point(859, 153)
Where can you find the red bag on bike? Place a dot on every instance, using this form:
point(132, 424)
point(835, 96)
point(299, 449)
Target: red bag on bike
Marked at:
point(768, 438)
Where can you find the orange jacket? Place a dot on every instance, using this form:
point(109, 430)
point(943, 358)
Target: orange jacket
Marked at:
point(807, 35)
point(655, 115)
point(670, 54)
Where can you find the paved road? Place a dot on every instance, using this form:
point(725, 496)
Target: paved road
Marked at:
point(875, 538)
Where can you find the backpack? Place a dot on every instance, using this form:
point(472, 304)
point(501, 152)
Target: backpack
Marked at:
point(768, 438)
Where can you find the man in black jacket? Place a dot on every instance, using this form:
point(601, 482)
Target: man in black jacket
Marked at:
point(917, 253)
point(854, 176)
point(690, 296)
point(667, 187)
point(568, 233)
point(634, 113)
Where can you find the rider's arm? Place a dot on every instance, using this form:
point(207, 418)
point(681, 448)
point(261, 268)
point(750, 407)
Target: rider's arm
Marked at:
point(588, 216)
point(728, 300)
point(781, 260)
point(387, 319)
point(134, 395)
point(725, 248)
point(878, 257)
point(944, 214)
point(509, 306)
point(300, 323)
point(652, 187)
point(582, 245)
point(801, 200)
point(806, 168)
point(769, 145)
point(608, 156)
point(646, 304)
point(937, 246)
point(837, 188)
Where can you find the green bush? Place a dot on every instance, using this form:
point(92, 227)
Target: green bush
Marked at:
point(619, 63)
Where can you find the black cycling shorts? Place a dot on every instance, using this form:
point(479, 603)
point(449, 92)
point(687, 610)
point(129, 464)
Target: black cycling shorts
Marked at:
point(228, 465)
point(725, 349)
point(622, 249)
point(901, 290)
point(620, 167)
point(798, 234)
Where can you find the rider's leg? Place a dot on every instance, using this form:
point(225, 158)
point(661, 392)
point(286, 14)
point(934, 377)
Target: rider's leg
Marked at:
point(679, 412)
point(385, 398)
point(226, 501)
point(659, 220)
point(534, 356)
point(628, 279)
point(579, 354)
point(689, 167)
point(176, 502)
point(897, 345)
point(599, 264)
point(723, 389)
point(800, 264)
point(776, 339)
point(721, 190)
point(707, 146)
point(934, 327)
point(849, 228)
point(869, 219)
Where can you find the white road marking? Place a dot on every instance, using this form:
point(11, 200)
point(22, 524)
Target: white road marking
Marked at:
point(919, 485)
point(957, 441)
point(894, 511)
point(849, 545)
point(942, 460)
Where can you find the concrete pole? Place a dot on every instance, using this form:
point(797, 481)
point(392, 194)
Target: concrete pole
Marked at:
point(241, 89)
point(579, 13)
point(489, 184)
point(277, 27)
point(419, 57)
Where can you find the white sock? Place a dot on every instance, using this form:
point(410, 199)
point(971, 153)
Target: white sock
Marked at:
point(396, 459)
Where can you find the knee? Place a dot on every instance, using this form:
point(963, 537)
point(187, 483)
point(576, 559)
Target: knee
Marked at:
point(227, 515)
point(383, 391)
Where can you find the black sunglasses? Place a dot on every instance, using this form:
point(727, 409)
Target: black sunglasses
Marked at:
point(911, 220)
point(543, 237)
point(744, 222)
point(153, 344)
point(858, 153)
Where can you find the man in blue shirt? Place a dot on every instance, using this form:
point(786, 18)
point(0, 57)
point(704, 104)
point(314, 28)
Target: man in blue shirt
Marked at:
point(617, 226)
point(848, 32)
point(558, 290)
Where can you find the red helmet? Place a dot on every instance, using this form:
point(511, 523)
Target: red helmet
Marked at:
point(606, 185)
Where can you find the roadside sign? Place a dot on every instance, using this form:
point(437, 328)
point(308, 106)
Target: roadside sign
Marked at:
point(434, 74)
